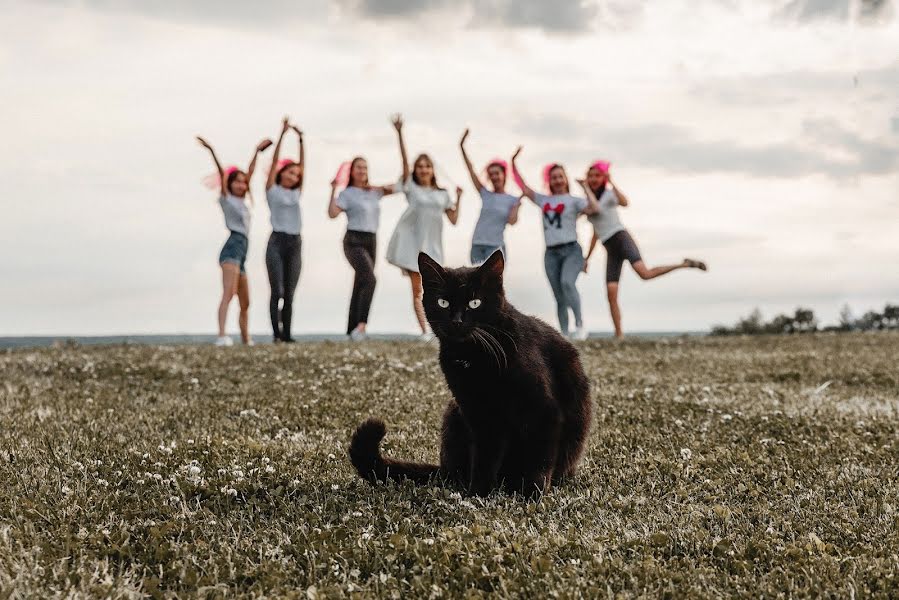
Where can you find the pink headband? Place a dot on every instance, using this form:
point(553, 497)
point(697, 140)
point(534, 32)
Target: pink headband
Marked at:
point(601, 165)
point(213, 181)
point(284, 162)
point(546, 171)
point(499, 163)
point(342, 177)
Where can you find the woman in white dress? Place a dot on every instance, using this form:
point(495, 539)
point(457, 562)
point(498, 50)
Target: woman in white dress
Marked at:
point(420, 228)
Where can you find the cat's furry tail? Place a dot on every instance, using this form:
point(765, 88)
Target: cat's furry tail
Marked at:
point(365, 455)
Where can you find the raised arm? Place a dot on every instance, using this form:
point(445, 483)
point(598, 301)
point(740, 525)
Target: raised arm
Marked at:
point(475, 180)
point(273, 172)
point(453, 213)
point(259, 148)
point(592, 204)
point(622, 199)
point(302, 154)
point(525, 188)
point(215, 159)
point(398, 125)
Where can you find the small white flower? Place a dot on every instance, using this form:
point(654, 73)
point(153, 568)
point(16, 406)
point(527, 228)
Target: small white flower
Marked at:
point(194, 381)
point(269, 469)
point(194, 470)
point(66, 490)
point(726, 417)
point(686, 454)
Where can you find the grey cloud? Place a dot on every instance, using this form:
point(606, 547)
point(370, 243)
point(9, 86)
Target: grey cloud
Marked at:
point(220, 12)
point(824, 148)
point(870, 11)
point(561, 15)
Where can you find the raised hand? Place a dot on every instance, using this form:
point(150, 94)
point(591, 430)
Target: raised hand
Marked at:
point(582, 182)
point(263, 145)
point(297, 130)
point(397, 121)
point(285, 124)
point(204, 143)
point(458, 192)
point(464, 137)
point(517, 152)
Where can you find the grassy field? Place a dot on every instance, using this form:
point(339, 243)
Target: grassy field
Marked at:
point(716, 467)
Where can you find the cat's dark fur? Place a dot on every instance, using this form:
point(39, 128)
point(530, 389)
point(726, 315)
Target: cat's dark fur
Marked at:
point(521, 409)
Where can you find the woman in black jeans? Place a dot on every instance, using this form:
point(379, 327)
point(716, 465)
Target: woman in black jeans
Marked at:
point(362, 204)
point(283, 256)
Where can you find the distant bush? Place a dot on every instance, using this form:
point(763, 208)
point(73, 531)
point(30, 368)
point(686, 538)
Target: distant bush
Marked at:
point(804, 321)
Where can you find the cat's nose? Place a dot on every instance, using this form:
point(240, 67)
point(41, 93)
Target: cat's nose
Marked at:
point(457, 318)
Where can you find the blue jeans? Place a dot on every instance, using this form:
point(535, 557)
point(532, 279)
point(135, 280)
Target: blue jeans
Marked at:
point(481, 252)
point(563, 265)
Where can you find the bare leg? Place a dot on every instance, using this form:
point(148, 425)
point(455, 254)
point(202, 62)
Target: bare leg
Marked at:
point(417, 294)
point(230, 275)
point(612, 292)
point(646, 273)
point(243, 296)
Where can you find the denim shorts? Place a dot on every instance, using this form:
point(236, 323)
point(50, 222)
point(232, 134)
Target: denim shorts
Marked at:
point(481, 252)
point(235, 251)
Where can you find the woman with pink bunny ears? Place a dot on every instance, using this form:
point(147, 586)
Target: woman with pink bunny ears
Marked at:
point(283, 255)
point(619, 245)
point(234, 185)
point(498, 208)
point(564, 257)
point(362, 204)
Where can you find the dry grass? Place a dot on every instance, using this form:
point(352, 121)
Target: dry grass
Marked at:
point(717, 467)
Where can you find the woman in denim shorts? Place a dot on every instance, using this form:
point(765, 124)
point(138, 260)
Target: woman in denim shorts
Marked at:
point(234, 185)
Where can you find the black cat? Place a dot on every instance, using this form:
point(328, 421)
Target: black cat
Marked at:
point(521, 410)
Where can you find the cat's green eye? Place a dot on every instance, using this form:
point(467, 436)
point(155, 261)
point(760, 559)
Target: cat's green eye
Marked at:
point(442, 303)
point(474, 303)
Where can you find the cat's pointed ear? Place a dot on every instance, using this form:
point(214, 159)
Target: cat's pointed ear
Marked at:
point(492, 269)
point(431, 271)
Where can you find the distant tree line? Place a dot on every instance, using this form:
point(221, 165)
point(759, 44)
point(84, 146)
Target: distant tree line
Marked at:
point(803, 321)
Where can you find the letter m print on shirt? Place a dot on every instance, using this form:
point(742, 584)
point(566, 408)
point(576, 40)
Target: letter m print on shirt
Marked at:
point(552, 215)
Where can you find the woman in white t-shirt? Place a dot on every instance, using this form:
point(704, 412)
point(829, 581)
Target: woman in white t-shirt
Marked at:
point(420, 228)
point(498, 208)
point(564, 257)
point(234, 186)
point(362, 204)
point(283, 255)
point(619, 245)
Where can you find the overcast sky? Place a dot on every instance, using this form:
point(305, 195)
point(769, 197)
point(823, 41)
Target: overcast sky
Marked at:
point(761, 136)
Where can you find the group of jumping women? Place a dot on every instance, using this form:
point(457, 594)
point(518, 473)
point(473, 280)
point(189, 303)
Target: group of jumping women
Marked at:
point(420, 229)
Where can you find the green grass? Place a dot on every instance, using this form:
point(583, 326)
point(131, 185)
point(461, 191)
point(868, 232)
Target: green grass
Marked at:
point(716, 467)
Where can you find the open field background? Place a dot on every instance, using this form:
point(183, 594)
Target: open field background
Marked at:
point(717, 467)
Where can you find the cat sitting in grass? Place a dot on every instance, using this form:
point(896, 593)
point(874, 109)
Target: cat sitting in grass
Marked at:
point(521, 408)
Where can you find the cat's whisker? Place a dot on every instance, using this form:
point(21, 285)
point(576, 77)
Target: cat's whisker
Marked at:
point(499, 347)
point(479, 335)
point(498, 330)
point(495, 347)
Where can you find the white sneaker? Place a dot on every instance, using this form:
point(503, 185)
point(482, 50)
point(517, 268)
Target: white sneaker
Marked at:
point(224, 340)
point(426, 337)
point(358, 336)
point(580, 334)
